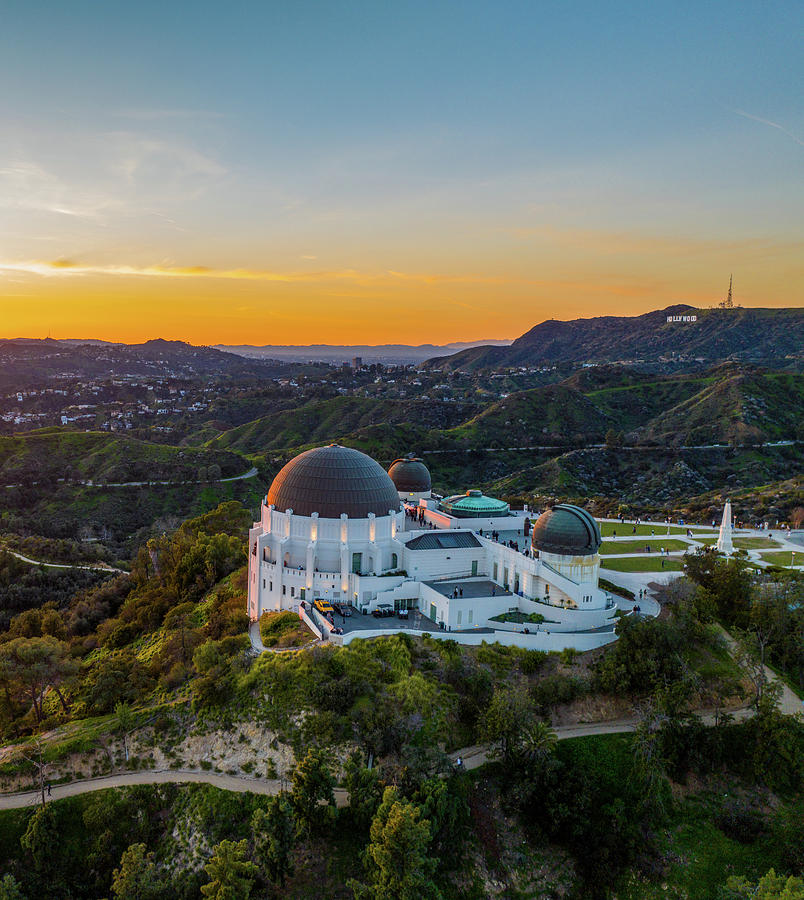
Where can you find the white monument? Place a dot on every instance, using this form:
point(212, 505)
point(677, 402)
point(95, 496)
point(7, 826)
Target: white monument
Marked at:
point(724, 544)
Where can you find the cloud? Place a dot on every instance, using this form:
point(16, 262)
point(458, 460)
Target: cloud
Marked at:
point(71, 267)
point(746, 115)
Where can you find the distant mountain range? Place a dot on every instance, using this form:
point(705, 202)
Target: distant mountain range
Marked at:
point(767, 336)
point(399, 354)
point(26, 361)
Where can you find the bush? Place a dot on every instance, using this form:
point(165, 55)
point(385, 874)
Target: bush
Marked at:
point(553, 690)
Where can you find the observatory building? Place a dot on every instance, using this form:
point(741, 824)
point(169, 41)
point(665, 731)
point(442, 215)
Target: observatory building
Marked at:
point(335, 527)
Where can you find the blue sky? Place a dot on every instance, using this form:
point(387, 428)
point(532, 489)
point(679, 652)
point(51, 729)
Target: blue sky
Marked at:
point(545, 158)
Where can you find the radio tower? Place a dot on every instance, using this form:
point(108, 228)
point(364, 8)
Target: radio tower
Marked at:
point(729, 299)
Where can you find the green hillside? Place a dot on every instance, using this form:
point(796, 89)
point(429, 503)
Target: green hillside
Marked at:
point(55, 454)
point(326, 420)
point(550, 414)
point(739, 408)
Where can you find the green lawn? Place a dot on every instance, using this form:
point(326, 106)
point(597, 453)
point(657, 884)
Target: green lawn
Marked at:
point(641, 564)
point(607, 529)
point(742, 543)
point(755, 543)
point(784, 557)
point(615, 547)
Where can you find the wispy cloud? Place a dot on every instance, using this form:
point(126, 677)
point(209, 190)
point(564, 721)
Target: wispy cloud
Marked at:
point(770, 124)
point(70, 267)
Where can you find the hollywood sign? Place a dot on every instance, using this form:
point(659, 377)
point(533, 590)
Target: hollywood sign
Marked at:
point(682, 318)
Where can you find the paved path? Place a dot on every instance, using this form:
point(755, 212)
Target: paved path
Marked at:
point(239, 783)
point(102, 567)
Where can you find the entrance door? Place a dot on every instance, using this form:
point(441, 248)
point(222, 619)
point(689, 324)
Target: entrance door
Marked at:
point(474, 567)
point(433, 611)
point(357, 563)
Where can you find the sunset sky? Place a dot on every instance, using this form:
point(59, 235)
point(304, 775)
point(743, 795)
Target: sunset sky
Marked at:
point(340, 172)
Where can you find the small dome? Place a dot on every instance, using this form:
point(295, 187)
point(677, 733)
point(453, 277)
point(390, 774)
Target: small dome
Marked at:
point(410, 475)
point(331, 481)
point(474, 505)
point(567, 530)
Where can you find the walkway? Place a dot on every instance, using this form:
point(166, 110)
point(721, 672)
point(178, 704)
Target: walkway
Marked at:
point(238, 783)
point(102, 567)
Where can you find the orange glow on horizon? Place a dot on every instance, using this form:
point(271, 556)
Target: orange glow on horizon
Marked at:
point(544, 274)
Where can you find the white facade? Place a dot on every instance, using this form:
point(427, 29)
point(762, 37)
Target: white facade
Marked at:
point(374, 560)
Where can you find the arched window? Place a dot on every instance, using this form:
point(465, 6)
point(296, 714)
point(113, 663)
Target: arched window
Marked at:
point(394, 561)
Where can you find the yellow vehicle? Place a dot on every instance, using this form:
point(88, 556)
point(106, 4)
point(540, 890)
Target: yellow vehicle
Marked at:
point(323, 606)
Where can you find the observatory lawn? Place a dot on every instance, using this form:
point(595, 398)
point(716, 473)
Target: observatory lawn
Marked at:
point(743, 543)
point(642, 564)
point(626, 529)
point(784, 557)
point(614, 547)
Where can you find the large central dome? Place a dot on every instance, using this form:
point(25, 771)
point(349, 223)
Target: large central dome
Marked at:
point(333, 480)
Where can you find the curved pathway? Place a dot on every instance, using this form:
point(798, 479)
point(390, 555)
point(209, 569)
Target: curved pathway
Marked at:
point(239, 783)
point(101, 567)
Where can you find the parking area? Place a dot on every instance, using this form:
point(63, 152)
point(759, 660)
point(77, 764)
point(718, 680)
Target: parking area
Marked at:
point(358, 622)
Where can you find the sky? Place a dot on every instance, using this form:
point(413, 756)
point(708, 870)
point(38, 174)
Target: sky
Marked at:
point(375, 172)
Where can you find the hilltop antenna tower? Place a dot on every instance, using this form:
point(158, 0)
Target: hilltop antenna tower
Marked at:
point(729, 298)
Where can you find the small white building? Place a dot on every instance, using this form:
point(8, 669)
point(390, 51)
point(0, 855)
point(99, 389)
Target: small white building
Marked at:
point(333, 527)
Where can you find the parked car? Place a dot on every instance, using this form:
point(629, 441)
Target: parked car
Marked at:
point(323, 606)
point(343, 609)
point(382, 611)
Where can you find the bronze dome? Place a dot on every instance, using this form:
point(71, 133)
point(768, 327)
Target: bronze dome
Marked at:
point(331, 481)
point(410, 475)
point(567, 530)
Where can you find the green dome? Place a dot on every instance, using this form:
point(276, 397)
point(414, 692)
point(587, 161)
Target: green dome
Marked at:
point(473, 505)
point(567, 530)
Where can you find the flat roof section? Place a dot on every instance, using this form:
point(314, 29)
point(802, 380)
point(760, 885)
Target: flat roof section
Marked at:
point(443, 540)
point(470, 589)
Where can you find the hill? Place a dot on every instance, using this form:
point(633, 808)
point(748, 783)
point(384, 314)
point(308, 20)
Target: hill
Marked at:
point(29, 362)
point(54, 455)
point(327, 420)
point(555, 413)
point(718, 335)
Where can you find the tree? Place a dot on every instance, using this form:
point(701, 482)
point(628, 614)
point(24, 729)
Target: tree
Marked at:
point(312, 785)
point(125, 722)
point(43, 839)
point(364, 789)
point(231, 874)
point(273, 831)
point(30, 666)
point(10, 888)
point(507, 716)
point(770, 887)
point(137, 878)
point(397, 862)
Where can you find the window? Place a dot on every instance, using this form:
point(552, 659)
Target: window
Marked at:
point(496, 570)
point(471, 616)
point(284, 589)
point(460, 614)
point(270, 585)
point(263, 583)
point(293, 592)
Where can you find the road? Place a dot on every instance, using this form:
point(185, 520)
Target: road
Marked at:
point(472, 758)
point(239, 783)
point(100, 567)
point(104, 484)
